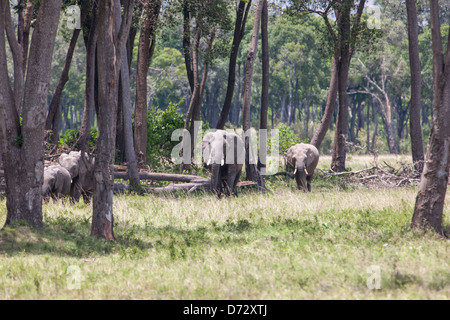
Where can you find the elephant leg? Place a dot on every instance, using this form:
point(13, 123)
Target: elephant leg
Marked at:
point(298, 181)
point(236, 179)
point(309, 180)
point(216, 180)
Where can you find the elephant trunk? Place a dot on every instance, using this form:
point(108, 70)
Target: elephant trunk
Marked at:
point(300, 174)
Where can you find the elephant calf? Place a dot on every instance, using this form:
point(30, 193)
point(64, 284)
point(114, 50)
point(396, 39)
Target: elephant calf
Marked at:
point(223, 156)
point(303, 159)
point(57, 181)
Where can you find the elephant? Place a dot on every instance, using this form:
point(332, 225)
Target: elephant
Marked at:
point(81, 169)
point(57, 181)
point(225, 172)
point(303, 159)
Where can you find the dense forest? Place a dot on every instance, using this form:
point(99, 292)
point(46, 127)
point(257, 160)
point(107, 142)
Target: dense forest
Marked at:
point(117, 77)
point(300, 68)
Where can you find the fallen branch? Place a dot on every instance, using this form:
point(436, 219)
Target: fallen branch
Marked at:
point(190, 187)
point(163, 177)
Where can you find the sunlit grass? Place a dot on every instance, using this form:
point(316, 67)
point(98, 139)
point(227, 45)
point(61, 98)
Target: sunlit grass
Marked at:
point(283, 244)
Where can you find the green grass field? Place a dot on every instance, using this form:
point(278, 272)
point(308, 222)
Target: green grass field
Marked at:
point(279, 245)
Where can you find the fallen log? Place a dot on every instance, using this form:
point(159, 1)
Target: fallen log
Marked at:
point(163, 177)
point(190, 187)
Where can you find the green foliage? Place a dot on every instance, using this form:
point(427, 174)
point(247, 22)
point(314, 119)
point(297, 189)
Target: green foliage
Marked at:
point(71, 137)
point(161, 124)
point(287, 138)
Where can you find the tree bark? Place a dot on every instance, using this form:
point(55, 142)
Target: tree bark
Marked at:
point(22, 143)
point(54, 113)
point(239, 28)
point(145, 53)
point(127, 125)
point(90, 90)
point(110, 51)
point(327, 118)
point(262, 159)
point(430, 199)
point(344, 48)
point(416, 85)
point(187, 44)
point(251, 169)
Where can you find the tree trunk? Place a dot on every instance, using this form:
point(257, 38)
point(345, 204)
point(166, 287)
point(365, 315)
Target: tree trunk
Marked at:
point(127, 125)
point(239, 28)
point(187, 44)
point(429, 205)
point(110, 51)
point(90, 95)
point(262, 159)
point(145, 53)
point(327, 118)
point(416, 85)
point(54, 112)
point(22, 143)
point(251, 170)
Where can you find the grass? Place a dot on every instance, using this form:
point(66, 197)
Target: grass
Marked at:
point(280, 245)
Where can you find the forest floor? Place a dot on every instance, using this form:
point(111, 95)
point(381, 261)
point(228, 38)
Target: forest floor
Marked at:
point(345, 240)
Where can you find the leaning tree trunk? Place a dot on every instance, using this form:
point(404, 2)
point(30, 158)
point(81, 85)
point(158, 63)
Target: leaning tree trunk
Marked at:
point(429, 205)
point(251, 169)
point(22, 141)
point(110, 51)
point(239, 28)
point(416, 85)
point(54, 113)
point(321, 131)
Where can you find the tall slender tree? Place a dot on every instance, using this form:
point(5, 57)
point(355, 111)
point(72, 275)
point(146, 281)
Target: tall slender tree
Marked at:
point(146, 48)
point(430, 199)
point(251, 169)
point(416, 86)
point(239, 28)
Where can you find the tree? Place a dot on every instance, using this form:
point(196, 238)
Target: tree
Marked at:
point(251, 169)
point(429, 204)
point(91, 83)
point(146, 48)
point(53, 117)
point(416, 85)
point(23, 111)
point(241, 20)
point(112, 37)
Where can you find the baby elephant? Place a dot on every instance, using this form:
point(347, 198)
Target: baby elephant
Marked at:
point(57, 181)
point(303, 159)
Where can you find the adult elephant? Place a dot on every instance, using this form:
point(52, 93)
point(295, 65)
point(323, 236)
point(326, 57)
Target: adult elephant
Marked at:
point(223, 154)
point(81, 169)
point(57, 181)
point(303, 159)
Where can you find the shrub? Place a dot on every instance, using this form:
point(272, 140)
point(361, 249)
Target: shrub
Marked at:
point(161, 124)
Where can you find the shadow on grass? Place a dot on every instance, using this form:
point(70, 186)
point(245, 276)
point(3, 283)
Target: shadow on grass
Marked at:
point(63, 237)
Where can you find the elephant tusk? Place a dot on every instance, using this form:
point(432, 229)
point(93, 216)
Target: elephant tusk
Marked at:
point(306, 171)
point(209, 162)
point(295, 171)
